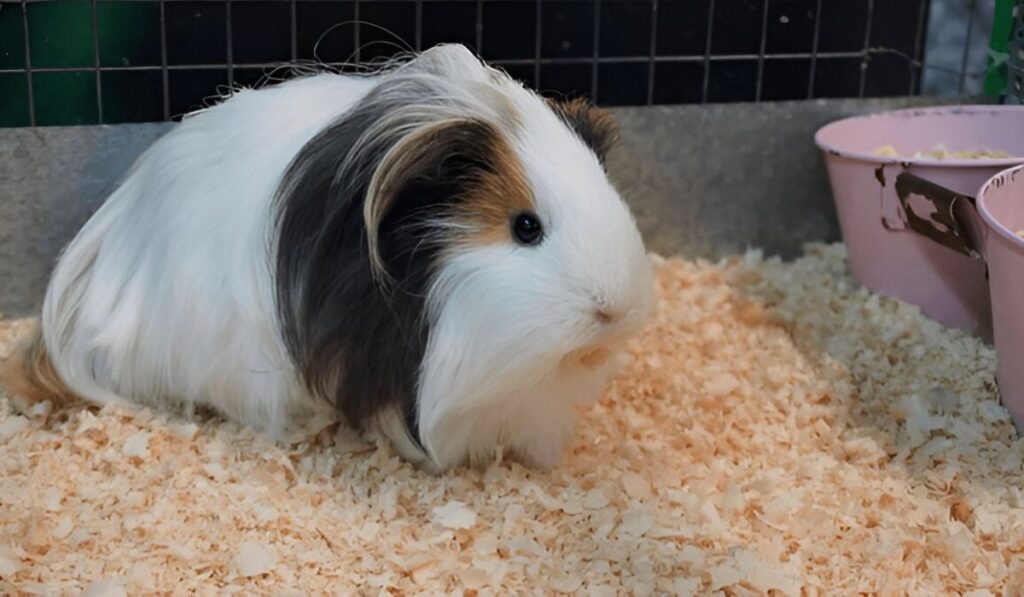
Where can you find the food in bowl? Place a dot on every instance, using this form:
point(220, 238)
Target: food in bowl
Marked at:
point(941, 153)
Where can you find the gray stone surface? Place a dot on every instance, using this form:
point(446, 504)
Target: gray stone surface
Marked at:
point(51, 180)
point(703, 181)
point(714, 180)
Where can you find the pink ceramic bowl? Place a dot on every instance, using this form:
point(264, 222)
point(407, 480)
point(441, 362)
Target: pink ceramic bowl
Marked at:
point(909, 223)
point(1001, 205)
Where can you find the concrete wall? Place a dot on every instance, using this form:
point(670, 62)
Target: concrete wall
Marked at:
point(703, 181)
point(715, 180)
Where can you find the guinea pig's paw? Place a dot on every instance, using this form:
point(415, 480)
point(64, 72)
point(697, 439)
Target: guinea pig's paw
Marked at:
point(39, 411)
point(593, 359)
point(348, 440)
point(543, 453)
point(22, 397)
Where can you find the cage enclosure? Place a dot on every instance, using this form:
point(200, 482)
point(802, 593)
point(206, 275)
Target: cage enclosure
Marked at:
point(778, 427)
point(716, 99)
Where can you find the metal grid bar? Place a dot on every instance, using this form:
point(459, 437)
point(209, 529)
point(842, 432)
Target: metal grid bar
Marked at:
point(915, 65)
point(28, 67)
point(163, 62)
point(866, 60)
point(592, 59)
point(419, 25)
point(814, 50)
point(761, 53)
point(282, 1)
point(651, 63)
point(230, 45)
point(293, 32)
point(479, 26)
point(597, 49)
point(967, 46)
point(506, 62)
point(96, 56)
point(359, 47)
point(538, 31)
point(707, 53)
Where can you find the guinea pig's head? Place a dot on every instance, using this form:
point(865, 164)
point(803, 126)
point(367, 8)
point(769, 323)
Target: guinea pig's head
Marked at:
point(473, 270)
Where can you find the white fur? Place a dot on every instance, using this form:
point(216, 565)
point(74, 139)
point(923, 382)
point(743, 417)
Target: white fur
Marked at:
point(505, 316)
point(167, 294)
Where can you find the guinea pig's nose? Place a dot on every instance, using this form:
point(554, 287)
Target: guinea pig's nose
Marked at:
point(606, 311)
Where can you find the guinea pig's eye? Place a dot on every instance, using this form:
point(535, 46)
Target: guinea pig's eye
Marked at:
point(527, 229)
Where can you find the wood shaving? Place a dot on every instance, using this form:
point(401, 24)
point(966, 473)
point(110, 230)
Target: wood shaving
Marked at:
point(254, 559)
point(777, 429)
point(454, 515)
point(941, 153)
point(104, 588)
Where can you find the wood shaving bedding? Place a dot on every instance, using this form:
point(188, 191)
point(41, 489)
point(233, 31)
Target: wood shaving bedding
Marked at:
point(941, 153)
point(778, 429)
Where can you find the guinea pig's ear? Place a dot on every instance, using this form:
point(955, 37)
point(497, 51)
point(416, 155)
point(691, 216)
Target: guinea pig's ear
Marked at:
point(595, 126)
point(451, 60)
point(425, 174)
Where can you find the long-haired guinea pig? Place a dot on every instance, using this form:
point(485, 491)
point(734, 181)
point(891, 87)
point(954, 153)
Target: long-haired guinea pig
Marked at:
point(432, 250)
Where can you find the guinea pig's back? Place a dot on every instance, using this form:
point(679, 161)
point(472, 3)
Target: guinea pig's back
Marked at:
point(166, 293)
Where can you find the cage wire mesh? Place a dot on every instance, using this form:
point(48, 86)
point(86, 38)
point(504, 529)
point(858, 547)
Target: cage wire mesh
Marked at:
point(1014, 83)
point(100, 61)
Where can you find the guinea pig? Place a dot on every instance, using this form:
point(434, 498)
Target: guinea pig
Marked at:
point(432, 250)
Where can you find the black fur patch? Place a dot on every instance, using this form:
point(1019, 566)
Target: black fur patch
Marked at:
point(356, 342)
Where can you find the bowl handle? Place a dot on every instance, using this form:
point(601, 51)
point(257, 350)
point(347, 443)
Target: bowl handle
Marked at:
point(945, 226)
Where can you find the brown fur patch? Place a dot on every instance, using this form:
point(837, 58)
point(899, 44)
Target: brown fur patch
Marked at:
point(489, 179)
point(498, 195)
point(595, 126)
point(28, 374)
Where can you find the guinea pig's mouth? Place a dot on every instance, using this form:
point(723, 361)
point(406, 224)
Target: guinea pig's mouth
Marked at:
point(591, 358)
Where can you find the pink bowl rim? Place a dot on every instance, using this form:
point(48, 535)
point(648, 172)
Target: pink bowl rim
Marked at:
point(993, 223)
point(832, 149)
